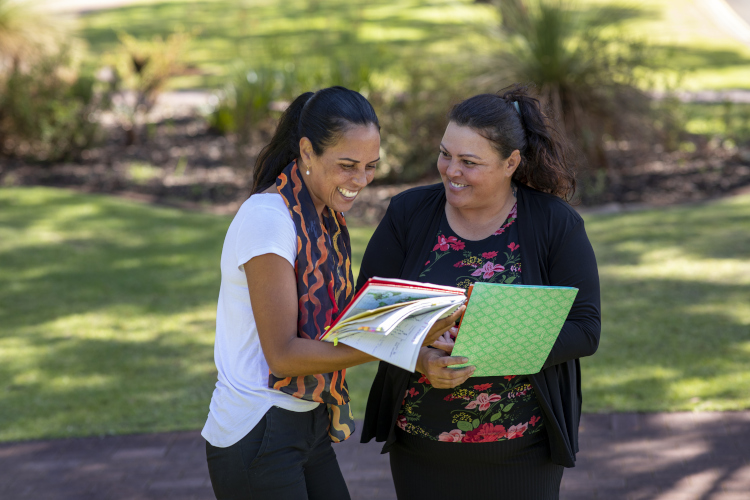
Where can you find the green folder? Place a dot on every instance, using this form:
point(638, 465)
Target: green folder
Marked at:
point(510, 329)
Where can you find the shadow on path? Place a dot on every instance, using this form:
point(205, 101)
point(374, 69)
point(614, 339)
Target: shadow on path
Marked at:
point(661, 456)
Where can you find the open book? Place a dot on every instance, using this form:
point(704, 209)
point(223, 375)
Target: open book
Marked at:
point(389, 318)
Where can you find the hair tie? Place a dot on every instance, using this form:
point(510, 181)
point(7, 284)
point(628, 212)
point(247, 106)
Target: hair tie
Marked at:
point(518, 109)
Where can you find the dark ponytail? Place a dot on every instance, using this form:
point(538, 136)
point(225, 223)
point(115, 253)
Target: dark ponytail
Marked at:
point(545, 155)
point(322, 117)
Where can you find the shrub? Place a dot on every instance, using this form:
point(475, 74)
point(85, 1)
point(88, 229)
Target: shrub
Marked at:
point(48, 112)
point(584, 73)
point(27, 33)
point(413, 121)
point(412, 110)
point(144, 68)
point(244, 108)
point(253, 98)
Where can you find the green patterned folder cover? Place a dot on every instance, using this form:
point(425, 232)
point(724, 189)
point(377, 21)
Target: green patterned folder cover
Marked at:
point(510, 329)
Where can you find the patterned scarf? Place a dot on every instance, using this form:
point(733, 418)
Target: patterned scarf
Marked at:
point(324, 287)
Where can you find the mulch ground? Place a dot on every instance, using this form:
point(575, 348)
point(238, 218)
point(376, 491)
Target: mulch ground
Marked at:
point(624, 456)
point(181, 162)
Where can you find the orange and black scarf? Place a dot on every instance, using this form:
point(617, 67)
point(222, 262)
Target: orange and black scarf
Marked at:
point(324, 287)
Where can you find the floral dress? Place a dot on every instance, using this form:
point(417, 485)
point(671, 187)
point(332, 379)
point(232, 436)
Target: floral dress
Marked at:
point(482, 409)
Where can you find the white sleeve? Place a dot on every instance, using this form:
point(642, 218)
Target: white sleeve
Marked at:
point(266, 229)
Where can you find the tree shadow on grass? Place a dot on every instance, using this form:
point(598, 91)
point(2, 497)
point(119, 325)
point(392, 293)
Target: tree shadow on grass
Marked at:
point(670, 345)
point(98, 387)
point(691, 58)
point(716, 230)
point(107, 306)
point(258, 35)
point(105, 254)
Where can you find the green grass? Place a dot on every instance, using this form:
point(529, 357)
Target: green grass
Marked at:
point(247, 34)
point(107, 312)
point(388, 35)
point(675, 309)
point(723, 120)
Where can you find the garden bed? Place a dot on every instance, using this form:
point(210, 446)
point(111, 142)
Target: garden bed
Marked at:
point(181, 162)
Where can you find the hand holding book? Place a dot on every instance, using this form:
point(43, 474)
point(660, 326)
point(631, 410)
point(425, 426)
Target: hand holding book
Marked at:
point(392, 319)
point(507, 329)
point(442, 329)
point(447, 340)
point(436, 365)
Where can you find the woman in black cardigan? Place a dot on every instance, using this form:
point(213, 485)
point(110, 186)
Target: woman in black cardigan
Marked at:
point(499, 216)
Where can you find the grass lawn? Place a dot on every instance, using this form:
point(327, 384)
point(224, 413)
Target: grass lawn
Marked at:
point(390, 35)
point(107, 311)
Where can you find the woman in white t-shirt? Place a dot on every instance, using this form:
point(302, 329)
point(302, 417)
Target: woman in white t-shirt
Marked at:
point(281, 398)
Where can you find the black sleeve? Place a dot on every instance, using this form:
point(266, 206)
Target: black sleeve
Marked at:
point(385, 253)
point(574, 264)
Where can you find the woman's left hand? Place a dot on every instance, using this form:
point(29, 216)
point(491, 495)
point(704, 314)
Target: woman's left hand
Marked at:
point(446, 342)
point(442, 326)
point(434, 363)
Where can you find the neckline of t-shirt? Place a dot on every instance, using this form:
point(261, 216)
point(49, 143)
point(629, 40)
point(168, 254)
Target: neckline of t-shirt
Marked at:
point(505, 221)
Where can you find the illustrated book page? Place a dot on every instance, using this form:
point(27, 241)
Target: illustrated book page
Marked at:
point(389, 319)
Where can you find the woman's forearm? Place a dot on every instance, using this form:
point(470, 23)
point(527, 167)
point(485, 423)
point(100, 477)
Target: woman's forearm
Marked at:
point(308, 357)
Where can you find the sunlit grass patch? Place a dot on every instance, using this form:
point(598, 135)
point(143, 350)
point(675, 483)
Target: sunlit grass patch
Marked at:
point(694, 51)
point(675, 309)
point(107, 310)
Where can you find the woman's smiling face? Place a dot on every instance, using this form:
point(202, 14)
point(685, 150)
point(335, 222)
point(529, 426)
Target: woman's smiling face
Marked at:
point(473, 173)
point(343, 169)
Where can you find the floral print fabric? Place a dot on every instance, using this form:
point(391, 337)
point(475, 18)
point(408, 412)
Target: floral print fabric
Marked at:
point(483, 409)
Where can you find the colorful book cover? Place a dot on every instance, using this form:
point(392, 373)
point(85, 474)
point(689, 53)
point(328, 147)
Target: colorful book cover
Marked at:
point(510, 329)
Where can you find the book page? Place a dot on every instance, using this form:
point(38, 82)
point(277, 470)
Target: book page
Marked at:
point(376, 296)
point(401, 346)
point(384, 323)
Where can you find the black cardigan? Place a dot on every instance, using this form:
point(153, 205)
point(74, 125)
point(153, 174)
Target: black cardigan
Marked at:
point(554, 251)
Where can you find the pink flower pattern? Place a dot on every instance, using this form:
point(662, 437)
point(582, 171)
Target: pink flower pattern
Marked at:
point(488, 269)
point(483, 401)
point(444, 244)
point(401, 422)
point(517, 430)
point(454, 436)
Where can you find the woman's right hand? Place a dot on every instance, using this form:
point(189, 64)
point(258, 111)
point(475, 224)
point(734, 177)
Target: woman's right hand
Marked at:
point(434, 363)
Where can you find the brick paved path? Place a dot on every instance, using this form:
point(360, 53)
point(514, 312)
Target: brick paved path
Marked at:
point(679, 456)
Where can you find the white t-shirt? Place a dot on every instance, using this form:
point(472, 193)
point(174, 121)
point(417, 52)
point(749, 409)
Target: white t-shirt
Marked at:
point(242, 396)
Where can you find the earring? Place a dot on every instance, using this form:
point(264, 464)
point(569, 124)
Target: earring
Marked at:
point(308, 171)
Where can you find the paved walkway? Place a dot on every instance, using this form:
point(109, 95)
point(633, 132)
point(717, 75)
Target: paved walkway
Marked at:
point(678, 456)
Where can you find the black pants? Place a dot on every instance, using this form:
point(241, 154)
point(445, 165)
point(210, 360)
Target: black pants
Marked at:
point(519, 469)
point(288, 455)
